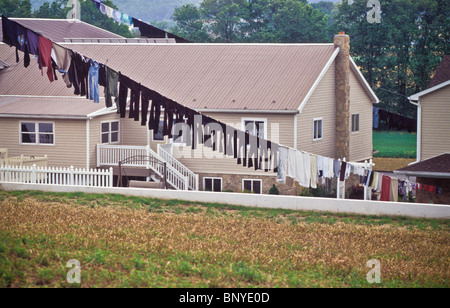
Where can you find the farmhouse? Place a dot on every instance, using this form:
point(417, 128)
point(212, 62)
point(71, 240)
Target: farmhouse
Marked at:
point(433, 139)
point(310, 97)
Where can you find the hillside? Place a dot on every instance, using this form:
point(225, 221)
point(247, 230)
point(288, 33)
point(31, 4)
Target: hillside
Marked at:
point(147, 10)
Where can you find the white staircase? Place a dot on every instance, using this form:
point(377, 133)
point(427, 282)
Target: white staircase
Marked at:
point(177, 175)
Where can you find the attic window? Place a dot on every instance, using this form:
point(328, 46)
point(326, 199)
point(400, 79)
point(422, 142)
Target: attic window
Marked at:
point(355, 123)
point(318, 129)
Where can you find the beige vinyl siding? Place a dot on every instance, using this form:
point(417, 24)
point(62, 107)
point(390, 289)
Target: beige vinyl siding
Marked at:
point(132, 132)
point(360, 103)
point(204, 160)
point(435, 123)
point(69, 137)
point(95, 135)
point(322, 104)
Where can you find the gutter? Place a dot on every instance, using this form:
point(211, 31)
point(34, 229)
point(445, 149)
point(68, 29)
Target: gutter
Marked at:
point(419, 127)
point(425, 174)
point(29, 116)
point(248, 111)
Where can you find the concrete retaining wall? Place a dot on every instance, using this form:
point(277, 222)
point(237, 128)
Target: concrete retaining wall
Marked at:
point(414, 210)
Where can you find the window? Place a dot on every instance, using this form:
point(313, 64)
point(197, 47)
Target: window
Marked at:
point(355, 122)
point(37, 133)
point(254, 186)
point(318, 125)
point(255, 127)
point(159, 136)
point(212, 184)
point(110, 132)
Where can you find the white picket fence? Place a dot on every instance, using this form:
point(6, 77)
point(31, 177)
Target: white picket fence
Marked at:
point(57, 176)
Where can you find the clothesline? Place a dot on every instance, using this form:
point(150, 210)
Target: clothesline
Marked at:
point(146, 29)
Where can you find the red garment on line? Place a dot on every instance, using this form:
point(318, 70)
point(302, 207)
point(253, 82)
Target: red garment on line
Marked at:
point(385, 188)
point(45, 56)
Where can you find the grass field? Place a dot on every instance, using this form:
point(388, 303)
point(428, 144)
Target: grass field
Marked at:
point(394, 144)
point(135, 242)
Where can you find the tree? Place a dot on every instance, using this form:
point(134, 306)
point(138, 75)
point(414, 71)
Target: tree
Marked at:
point(398, 55)
point(252, 21)
point(190, 25)
point(15, 8)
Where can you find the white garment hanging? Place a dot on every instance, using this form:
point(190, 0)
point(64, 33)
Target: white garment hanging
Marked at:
point(314, 171)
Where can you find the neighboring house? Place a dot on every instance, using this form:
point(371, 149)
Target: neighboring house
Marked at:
point(310, 97)
point(432, 166)
point(433, 174)
point(433, 114)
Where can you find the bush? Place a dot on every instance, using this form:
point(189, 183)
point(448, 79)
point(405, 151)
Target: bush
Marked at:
point(274, 190)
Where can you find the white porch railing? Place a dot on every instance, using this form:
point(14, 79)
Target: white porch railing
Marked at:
point(164, 153)
point(111, 155)
point(56, 176)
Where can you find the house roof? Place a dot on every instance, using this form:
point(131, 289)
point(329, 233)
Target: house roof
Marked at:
point(50, 107)
point(206, 77)
point(442, 72)
point(438, 167)
point(58, 30)
point(416, 96)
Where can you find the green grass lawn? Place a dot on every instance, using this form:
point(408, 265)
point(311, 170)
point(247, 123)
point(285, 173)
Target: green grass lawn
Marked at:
point(394, 144)
point(125, 241)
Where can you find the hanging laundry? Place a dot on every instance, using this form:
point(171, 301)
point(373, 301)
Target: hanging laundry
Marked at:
point(393, 194)
point(336, 168)
point(15, 35)
point(342, 171)
point(45, 56)
point(282, 164)
point(63, 59)
point(93, 82)
point(385, 188)
point(314, 171)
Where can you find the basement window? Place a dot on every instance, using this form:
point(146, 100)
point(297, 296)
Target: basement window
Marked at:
point(318, 129)
point(355, 123)
point(212, 184)
point(37, 133)
point(250, 185)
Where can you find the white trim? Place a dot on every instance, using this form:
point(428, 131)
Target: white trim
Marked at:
point(36, 132)
point(243, 120)
point(196, 44)
point(319, 79)
point(296, 131)
point(416, 96)
point(314, 129)
point(88, 140)
point(252, 180)
point(213, 178)
point(250, 111)
point(361, 77)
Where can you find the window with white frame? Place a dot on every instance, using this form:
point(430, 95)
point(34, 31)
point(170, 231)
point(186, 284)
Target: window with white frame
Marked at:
point(37, 133)
point(256, 127)
point(318, 129)
point(251, 185)
point(110, 132)
point(212, 184)
point(355, 122)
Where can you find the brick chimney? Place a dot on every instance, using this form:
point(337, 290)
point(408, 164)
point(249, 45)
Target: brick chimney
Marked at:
point(342, 63)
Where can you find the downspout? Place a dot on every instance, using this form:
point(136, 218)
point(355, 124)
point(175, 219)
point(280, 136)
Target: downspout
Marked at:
point(88, 142)
point(419, 128)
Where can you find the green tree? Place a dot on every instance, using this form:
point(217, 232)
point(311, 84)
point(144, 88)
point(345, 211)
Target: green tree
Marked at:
point(398, 55)
point(252, 21)
point(190, 24)
point(15, 8)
